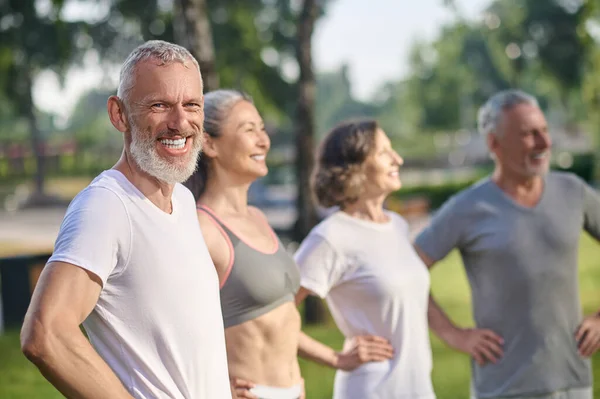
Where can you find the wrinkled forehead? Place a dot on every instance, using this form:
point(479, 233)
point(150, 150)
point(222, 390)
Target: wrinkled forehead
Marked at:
point(152, 76)
point(522, 117)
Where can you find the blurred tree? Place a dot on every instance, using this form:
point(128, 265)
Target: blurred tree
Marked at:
point(558, 31)
point(193, 31)
point(305, 119)
point(442, 82)
point(397, 113)
point(89, 125)
point(253, 43)
point(541, 47)
point(254, 40)
point(334, 101)
point(32, 37)
point(310, 11)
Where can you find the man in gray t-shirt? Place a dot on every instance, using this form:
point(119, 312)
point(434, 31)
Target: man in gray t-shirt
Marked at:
point(518, 234)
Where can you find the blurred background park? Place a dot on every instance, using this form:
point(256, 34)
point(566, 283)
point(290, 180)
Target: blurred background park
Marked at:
point(421, 69)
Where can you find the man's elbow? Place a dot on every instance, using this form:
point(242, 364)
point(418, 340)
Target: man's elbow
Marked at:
point(428, 261)
point(35, 341)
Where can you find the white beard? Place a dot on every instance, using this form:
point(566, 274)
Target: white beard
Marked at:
point(143, 151)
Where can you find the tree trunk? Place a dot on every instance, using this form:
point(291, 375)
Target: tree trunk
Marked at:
point(193, 31)
point(307, 217)
point(37, 142)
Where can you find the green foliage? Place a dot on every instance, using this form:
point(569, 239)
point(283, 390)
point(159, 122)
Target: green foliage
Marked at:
point(558, 30)
point(584, 166)
point(31, 41)
point(334, 101)
point(541, 47)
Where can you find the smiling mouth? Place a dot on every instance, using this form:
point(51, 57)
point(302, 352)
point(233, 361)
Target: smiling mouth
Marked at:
point(539, 157)
point(175, 144)
point(258, 157)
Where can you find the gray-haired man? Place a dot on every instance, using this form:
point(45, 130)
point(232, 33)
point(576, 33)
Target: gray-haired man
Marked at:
point(130, 262)
point(518, 234)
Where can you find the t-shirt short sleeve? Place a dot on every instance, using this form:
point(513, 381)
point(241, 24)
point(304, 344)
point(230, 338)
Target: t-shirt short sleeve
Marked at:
point(591, 211)
point(95, 233)
point(319, 264)
point(443, 234)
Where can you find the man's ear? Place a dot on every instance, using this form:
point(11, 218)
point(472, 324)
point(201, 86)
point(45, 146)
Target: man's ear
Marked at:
point(492, 142)
point(117, 114)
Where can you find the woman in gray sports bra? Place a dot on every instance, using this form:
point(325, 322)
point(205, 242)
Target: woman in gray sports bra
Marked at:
point(258, 278)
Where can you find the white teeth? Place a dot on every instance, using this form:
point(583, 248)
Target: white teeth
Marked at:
point(258, 157)
point(176, 144)
point(539, 156)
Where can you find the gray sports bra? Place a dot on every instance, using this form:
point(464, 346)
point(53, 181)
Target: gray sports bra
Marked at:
point(256, 282)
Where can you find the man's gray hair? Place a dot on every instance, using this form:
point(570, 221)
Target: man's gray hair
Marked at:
point(490, 113)
point(164, 52)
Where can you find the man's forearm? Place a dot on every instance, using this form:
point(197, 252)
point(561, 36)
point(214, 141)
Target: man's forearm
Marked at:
point(71, 364)
point(439, 321)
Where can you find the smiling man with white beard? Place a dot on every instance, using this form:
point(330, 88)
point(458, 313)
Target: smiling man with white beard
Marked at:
point(518, 234)
point(130, 261)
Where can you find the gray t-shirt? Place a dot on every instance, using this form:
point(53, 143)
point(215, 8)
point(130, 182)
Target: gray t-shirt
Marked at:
point(522, 267)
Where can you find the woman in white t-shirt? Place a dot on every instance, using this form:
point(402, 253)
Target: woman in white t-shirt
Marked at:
point(360, 259)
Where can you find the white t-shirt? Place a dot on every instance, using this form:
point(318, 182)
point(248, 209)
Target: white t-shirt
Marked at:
point(157, 322)
point(374, 283)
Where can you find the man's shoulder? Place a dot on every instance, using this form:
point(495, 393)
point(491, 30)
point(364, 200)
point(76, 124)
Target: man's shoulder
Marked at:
point(565, 180)
point(114, 181)
point(466, 198)
point(105, 191)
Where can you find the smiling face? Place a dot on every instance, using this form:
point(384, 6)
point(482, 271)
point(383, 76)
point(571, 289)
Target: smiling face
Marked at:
point(165, 118)
point(382, 167)
point(522, 144)
point(243, 145)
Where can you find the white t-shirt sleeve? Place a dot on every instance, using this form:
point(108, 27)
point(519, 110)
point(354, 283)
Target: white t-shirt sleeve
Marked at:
point(95, 233)
point(320, 265)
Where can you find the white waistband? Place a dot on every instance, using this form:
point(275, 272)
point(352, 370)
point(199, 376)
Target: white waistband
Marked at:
point(266, 392)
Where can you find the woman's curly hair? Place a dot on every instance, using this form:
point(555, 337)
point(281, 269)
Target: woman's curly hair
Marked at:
point(338, 178)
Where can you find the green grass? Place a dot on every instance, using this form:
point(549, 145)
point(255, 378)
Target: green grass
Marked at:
point(20, 380)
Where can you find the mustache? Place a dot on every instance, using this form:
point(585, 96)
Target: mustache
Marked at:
point(165, 134)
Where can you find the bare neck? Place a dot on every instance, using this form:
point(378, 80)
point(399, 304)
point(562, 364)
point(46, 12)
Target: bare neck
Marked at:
point(525, 191)
point(158, 192)
point(225, 196)
point(370, 209)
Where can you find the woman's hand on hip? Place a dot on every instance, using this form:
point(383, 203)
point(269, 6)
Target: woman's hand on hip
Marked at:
point(242, 388)
point(364, 349)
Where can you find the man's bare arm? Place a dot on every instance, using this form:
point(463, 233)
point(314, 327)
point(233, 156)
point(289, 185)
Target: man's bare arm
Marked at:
point(51, 338)
point(482, 344)
point(439, 321)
